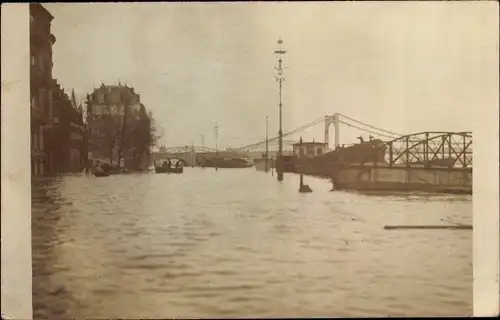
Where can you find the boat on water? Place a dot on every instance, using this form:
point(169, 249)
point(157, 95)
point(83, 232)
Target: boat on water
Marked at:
point(220, 162)
point(166, 167)
point(101, 174)
point(169, 170)
point(373, 151)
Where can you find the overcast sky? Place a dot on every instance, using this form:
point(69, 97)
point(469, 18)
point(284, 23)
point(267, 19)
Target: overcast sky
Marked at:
point(405, 67)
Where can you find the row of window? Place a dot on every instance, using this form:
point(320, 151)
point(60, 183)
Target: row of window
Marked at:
point(41, 25)
point(113, 97)
point(76, 136)
point(39, 98)
point(39, 61)
point(310, 151)
point(115, 109)
point(37, 141)
point(37, 167)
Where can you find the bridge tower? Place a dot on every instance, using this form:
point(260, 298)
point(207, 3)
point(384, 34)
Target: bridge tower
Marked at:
point(329, 120)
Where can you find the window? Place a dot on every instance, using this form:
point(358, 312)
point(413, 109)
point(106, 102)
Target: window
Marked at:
point(41, 168)
point(40, 141)
point(41, 98)
point(40, 62)
point(310, 151)
point(34, 140)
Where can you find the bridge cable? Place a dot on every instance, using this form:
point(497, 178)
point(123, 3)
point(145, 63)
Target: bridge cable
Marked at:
point(370, 126)
point(304, 127)
point(369, 131)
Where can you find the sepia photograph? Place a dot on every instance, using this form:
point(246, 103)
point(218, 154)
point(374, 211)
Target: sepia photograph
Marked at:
point(253, 159)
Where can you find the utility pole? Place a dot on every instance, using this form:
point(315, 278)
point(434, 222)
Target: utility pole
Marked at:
point(193, 154)
point(267, 148)
point(280, 78)
point(216, 127)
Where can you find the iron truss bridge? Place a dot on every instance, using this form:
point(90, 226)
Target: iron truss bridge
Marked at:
point(428, 149)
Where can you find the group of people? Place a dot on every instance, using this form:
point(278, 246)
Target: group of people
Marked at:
point(168, 164)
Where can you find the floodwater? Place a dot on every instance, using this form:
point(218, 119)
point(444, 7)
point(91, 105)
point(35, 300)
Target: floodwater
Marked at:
point(236, 243)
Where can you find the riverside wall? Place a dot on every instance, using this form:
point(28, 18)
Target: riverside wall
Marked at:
point(376, 178)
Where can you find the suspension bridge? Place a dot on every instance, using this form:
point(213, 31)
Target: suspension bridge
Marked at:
point(422, 148)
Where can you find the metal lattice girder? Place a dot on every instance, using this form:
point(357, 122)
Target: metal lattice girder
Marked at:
point(430, 149)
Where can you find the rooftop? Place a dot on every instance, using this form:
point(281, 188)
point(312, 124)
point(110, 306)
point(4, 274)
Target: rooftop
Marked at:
point(37, 8)
point(115, 93)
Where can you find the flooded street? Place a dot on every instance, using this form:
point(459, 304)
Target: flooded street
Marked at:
point(236, 243)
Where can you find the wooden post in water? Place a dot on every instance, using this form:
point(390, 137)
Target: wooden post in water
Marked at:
point(303, 187)
point(301, 180)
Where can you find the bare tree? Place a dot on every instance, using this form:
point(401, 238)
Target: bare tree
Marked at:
point(142, 136)
point(112, 132)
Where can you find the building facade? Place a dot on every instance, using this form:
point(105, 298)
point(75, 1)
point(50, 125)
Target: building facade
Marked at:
point(119, 127)
point(41, 42)
point(67, 134)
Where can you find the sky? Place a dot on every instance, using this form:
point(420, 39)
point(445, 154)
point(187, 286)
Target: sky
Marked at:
point(405, 67)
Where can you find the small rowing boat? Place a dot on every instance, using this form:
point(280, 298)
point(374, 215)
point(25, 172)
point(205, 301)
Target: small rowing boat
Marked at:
point(169, 170)
point(166, 167)
point(99, 172)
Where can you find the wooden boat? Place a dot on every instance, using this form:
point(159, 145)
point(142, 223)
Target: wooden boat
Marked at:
point(101, 174)
point(169, 170)
point(227, 163)
point(166, 167)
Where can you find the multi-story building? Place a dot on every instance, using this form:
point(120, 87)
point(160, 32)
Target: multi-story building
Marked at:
point(119, 127)
point(67, 134)
point(41, 42)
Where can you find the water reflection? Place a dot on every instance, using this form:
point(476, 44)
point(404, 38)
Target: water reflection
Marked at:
point(237, 243)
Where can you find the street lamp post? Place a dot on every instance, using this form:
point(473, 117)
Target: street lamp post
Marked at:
point(267, 149)
point(280, 78)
